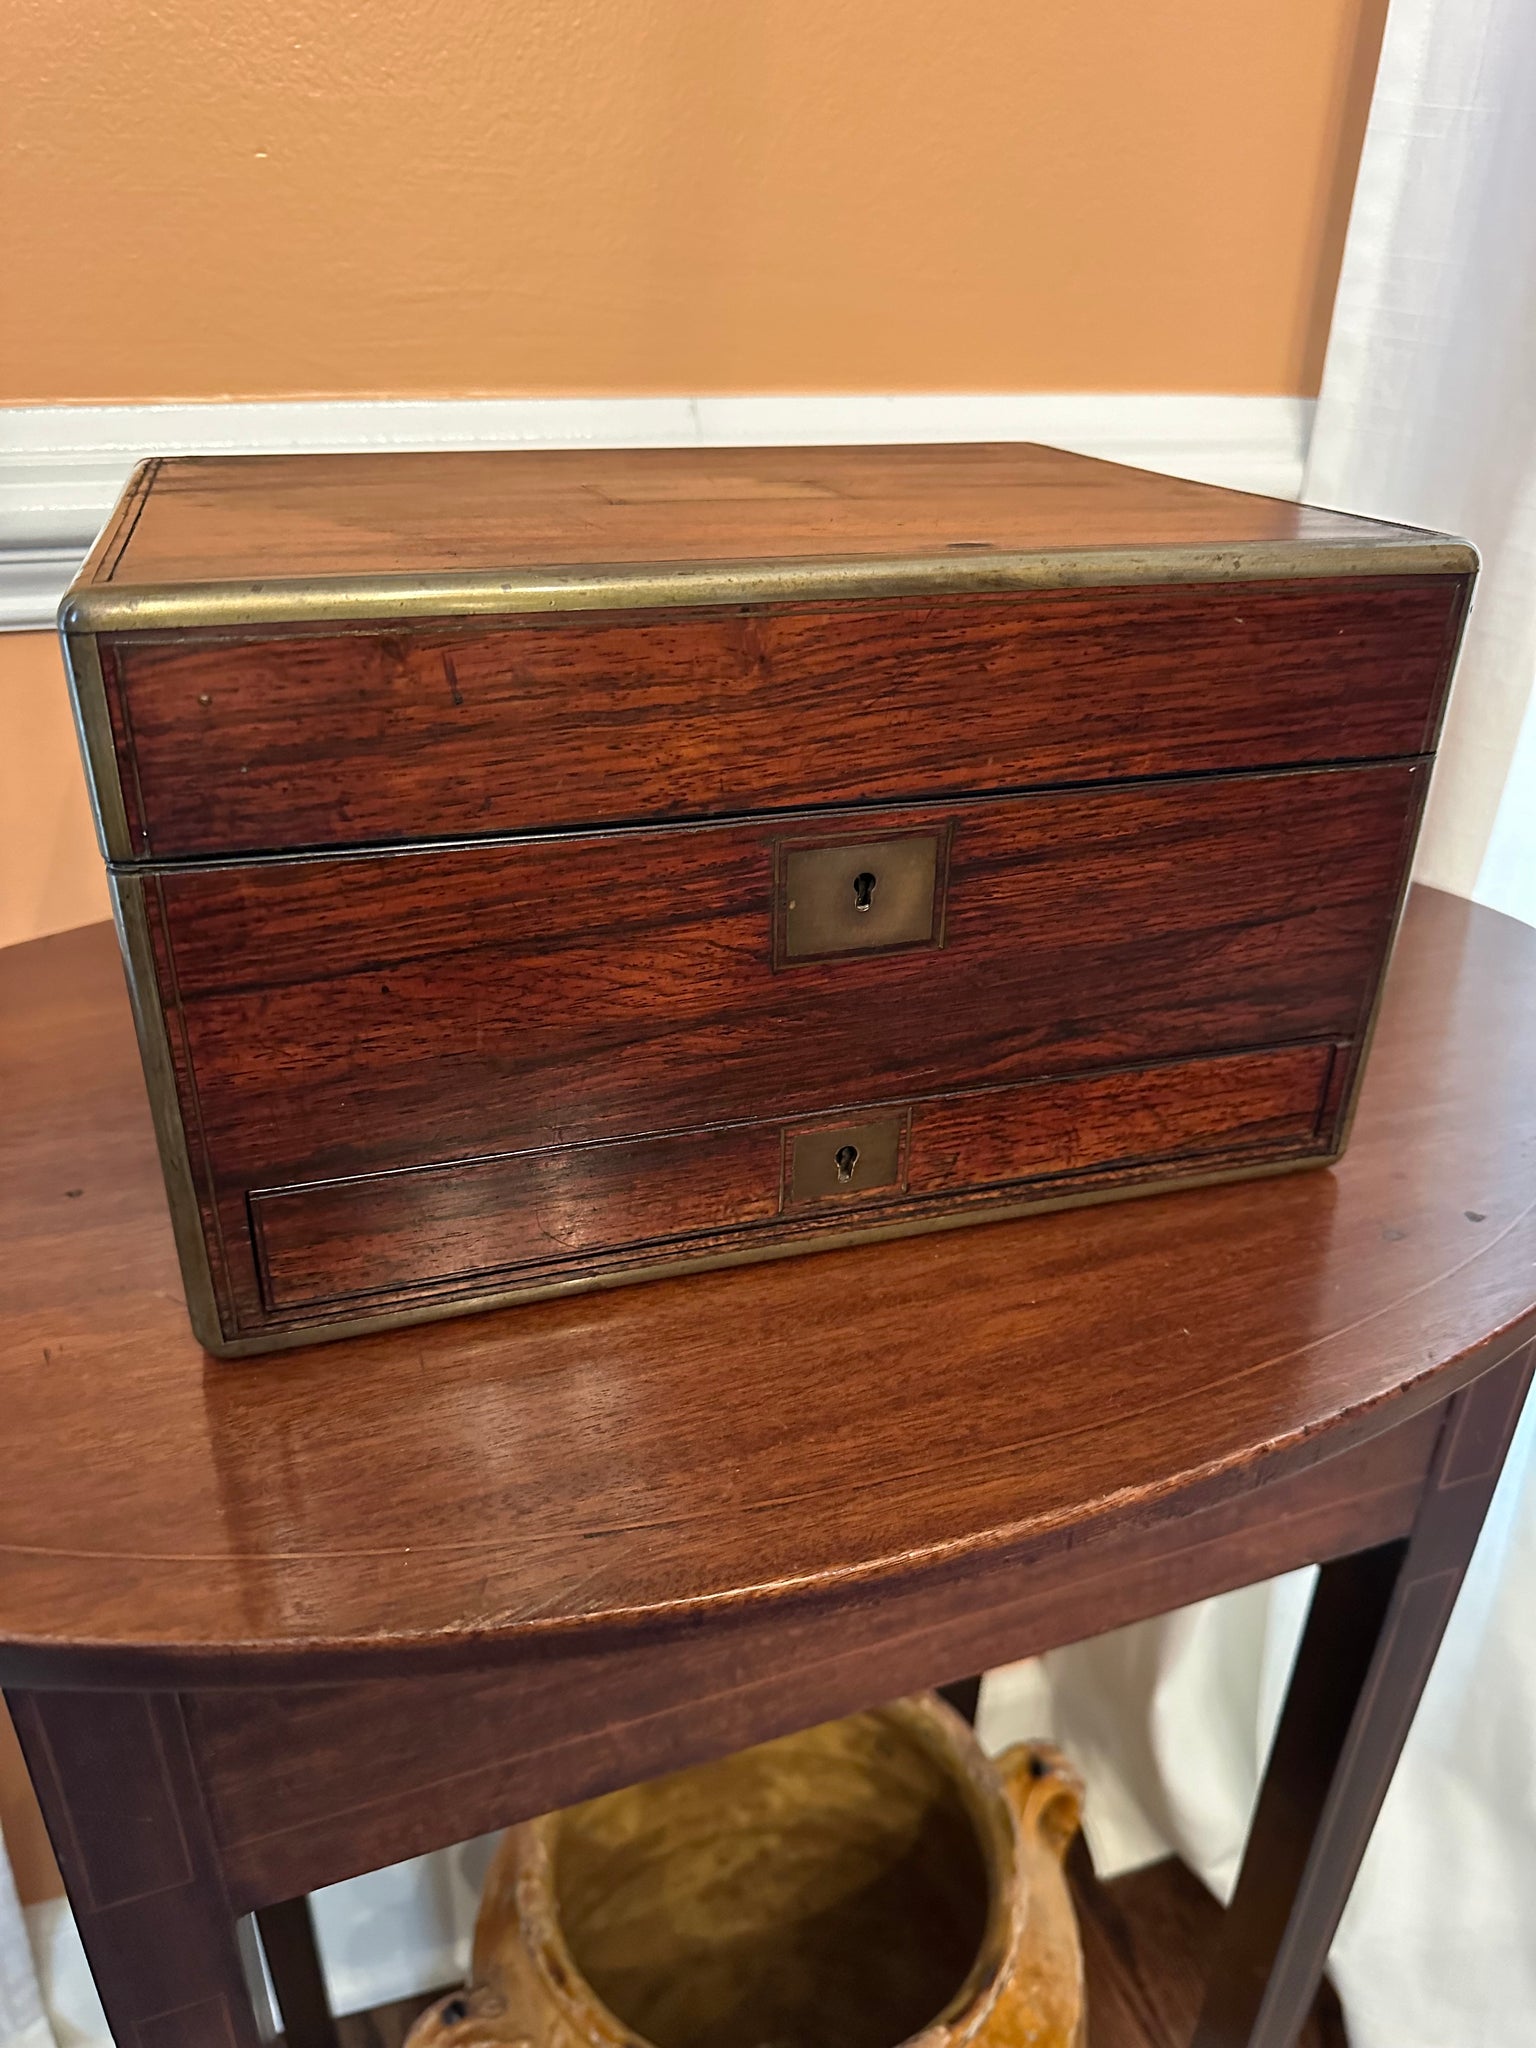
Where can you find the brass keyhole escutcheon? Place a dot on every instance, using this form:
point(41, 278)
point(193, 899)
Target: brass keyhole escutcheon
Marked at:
point(823, 896)
point(845, 1163)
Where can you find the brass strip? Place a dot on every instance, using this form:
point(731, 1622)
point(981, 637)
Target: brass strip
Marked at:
point(165, 1109)
point(98, 749)
point(846, 1161)
point(818, 913)
point(120, 608)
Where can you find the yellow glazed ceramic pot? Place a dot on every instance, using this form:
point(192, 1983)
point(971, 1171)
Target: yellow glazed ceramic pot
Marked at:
point(873, 1882)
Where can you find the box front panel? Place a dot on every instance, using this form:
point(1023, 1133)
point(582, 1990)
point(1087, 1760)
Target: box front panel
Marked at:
point(236, 744)
point(418, 1073)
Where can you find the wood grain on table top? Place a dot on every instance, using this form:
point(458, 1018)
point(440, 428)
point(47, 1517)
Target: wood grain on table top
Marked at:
point(778, 1433)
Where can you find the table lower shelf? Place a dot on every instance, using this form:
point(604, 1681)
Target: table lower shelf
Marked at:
point(1149, 1939)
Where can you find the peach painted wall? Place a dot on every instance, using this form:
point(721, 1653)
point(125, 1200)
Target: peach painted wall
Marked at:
point(50, 870)
point(206, 199)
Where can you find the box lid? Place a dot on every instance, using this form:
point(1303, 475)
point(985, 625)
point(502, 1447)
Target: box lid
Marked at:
point(212, 541)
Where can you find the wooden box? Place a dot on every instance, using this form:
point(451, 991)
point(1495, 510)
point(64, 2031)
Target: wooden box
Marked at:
point(537, 871)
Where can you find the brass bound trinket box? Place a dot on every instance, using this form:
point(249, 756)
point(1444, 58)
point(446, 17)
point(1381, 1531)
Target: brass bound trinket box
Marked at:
point(537, 871)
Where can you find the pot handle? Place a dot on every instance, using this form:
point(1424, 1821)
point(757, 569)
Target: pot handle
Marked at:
point(1046, 1794)
point(1042, 1997)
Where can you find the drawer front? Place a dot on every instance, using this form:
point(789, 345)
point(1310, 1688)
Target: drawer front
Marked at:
point(459, 1222)
point(348, 738)
point(1188, 1109)
point(333, 1018)
point(463, 1226)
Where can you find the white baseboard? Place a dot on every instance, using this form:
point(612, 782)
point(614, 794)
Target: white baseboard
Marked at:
point(61, 467)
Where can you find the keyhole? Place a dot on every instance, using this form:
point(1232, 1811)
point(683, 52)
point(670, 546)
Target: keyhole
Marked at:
point(847, 1160)
point(863, 890)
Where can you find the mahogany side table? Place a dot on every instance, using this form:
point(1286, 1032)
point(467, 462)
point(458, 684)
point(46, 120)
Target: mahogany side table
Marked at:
point(265, 1625)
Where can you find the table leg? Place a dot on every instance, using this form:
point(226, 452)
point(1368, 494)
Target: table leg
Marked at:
point(116, 1782)
point(1371, 1637)
point(964, 1695)
point(293, 1963)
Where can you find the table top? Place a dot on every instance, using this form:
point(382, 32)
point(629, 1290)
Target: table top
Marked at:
point(657, 1456)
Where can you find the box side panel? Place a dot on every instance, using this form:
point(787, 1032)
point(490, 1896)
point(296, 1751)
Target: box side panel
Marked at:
point(168, 1082)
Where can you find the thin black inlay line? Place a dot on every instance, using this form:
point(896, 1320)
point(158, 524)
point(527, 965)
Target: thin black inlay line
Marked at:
point(693, 821)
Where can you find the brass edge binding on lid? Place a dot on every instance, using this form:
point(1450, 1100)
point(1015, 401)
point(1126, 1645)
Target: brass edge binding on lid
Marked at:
point(119, 608)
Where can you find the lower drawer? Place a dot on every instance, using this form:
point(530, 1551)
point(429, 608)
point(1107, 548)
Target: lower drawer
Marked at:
point(474, 1225)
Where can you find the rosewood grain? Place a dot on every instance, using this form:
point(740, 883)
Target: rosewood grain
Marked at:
point(1179, 1111)
point(437, 1225)
point(402, 1009)
point(337, 1017)
point(237, 745)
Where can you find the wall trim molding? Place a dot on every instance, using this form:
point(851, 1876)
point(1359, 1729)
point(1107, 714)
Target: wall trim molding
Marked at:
point(61, 467)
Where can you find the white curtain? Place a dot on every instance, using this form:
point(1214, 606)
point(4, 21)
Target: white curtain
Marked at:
point(23, 2023)
point(1428, 407)
point(1427, 415)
